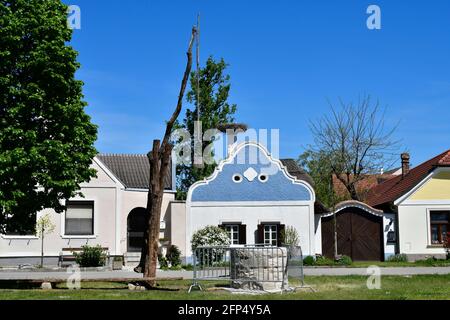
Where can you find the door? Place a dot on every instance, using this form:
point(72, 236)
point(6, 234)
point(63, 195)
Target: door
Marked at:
point(135, 229)
point(359, 235)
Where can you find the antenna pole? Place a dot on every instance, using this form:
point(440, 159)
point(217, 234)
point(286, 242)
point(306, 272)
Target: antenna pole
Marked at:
point(198, 145)
point(198, 67)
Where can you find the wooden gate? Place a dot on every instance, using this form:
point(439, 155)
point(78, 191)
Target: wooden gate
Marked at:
point(359, 235)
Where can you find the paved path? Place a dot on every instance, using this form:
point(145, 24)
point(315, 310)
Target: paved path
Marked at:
point(401, 271)
point(395, 271)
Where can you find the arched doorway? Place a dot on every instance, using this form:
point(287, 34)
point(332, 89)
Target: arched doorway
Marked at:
point(359, 232)
point(135, 229)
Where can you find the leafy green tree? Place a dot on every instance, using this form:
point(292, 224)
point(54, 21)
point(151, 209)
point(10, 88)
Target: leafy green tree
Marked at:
point(318, 166)
point(215, 87)
point(46, 138)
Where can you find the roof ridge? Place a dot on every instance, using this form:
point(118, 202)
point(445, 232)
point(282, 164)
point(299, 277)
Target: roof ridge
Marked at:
point(122, 154)
point(445, 160)
point(397, 186)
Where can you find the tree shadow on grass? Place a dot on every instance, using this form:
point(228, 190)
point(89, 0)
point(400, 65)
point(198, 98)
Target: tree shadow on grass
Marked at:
point(18, 285)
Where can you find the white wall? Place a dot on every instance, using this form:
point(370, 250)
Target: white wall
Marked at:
point(135, 199)
point(318, 233)
point(389, 248)
point(103, 191)
point(414, 225)
point(299, 216)
point(176, 226)
point(112, 204)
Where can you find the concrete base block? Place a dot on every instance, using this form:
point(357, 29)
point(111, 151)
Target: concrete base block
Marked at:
point(133, 287)
point(46, 286)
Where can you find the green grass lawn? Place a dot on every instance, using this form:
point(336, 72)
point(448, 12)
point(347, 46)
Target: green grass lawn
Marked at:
point(421, 263)
point(350, 287)
point(382, 264)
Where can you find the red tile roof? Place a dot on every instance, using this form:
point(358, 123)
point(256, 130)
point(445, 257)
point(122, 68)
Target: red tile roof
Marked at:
point(445, 161)
point(394, 188)
point(363, 186)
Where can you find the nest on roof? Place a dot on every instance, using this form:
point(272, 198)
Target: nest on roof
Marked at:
point(232, 126)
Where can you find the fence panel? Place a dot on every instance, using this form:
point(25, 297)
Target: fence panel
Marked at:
point(295, 268)
point(254, 267)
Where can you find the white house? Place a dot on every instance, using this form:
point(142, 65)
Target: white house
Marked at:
point(420, 200)
point(111, 214)
point(254, 197)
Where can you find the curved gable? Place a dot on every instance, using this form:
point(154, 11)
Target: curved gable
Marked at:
point(250, 161)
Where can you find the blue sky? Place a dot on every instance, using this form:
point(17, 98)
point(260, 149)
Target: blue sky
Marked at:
point(286, 59)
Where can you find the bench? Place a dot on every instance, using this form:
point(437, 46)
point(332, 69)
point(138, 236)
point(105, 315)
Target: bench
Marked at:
point(63, 256)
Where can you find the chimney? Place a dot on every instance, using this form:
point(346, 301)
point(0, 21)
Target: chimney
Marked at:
point(405, 163)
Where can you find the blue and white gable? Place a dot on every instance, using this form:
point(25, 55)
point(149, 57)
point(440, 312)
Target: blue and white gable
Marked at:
point(250, 174)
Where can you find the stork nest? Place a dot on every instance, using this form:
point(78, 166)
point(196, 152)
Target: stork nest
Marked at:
point(233, 126)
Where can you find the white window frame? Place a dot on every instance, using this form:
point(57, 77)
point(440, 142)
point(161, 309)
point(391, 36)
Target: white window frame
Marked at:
point(229, 229)
point(94, 216)
point(271, 232)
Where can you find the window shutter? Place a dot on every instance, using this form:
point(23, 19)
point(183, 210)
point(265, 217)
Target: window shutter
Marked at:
point(280, 231)
point(260, 234)
point(242, 234)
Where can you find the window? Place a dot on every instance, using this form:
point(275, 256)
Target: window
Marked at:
point(79, 218)
point(23, 228)
point(270, 234)
point(233, 233)
point(439, 226)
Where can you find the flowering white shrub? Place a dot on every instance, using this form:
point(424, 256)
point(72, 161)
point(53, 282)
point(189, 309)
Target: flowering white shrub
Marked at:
point(210, 236)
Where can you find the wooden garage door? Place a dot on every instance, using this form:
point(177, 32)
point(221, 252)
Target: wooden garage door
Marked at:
point(359, 235)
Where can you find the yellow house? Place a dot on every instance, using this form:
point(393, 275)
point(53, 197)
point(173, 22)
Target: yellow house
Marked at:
point(420, 198)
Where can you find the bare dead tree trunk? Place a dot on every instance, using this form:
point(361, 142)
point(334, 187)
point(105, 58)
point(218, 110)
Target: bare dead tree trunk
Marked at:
point(159, 159)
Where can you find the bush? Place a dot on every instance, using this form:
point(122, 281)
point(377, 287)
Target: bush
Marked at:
point(433, 262)
point(162, 261)
point(308, 261)
point(210, 236)
point(90, 257)
point(290, 237)
point(324, 261)
point(187, 267)
point(344, 260)
point(173, 256)
point(398, 258)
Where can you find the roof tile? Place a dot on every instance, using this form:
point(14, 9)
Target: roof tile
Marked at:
point(394, 188)
point(133, 170)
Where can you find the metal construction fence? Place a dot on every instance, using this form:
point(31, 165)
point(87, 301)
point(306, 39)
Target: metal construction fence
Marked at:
point(251, 267)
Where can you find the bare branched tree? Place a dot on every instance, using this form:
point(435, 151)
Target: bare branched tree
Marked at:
point(356, 142)
point(159, 159)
